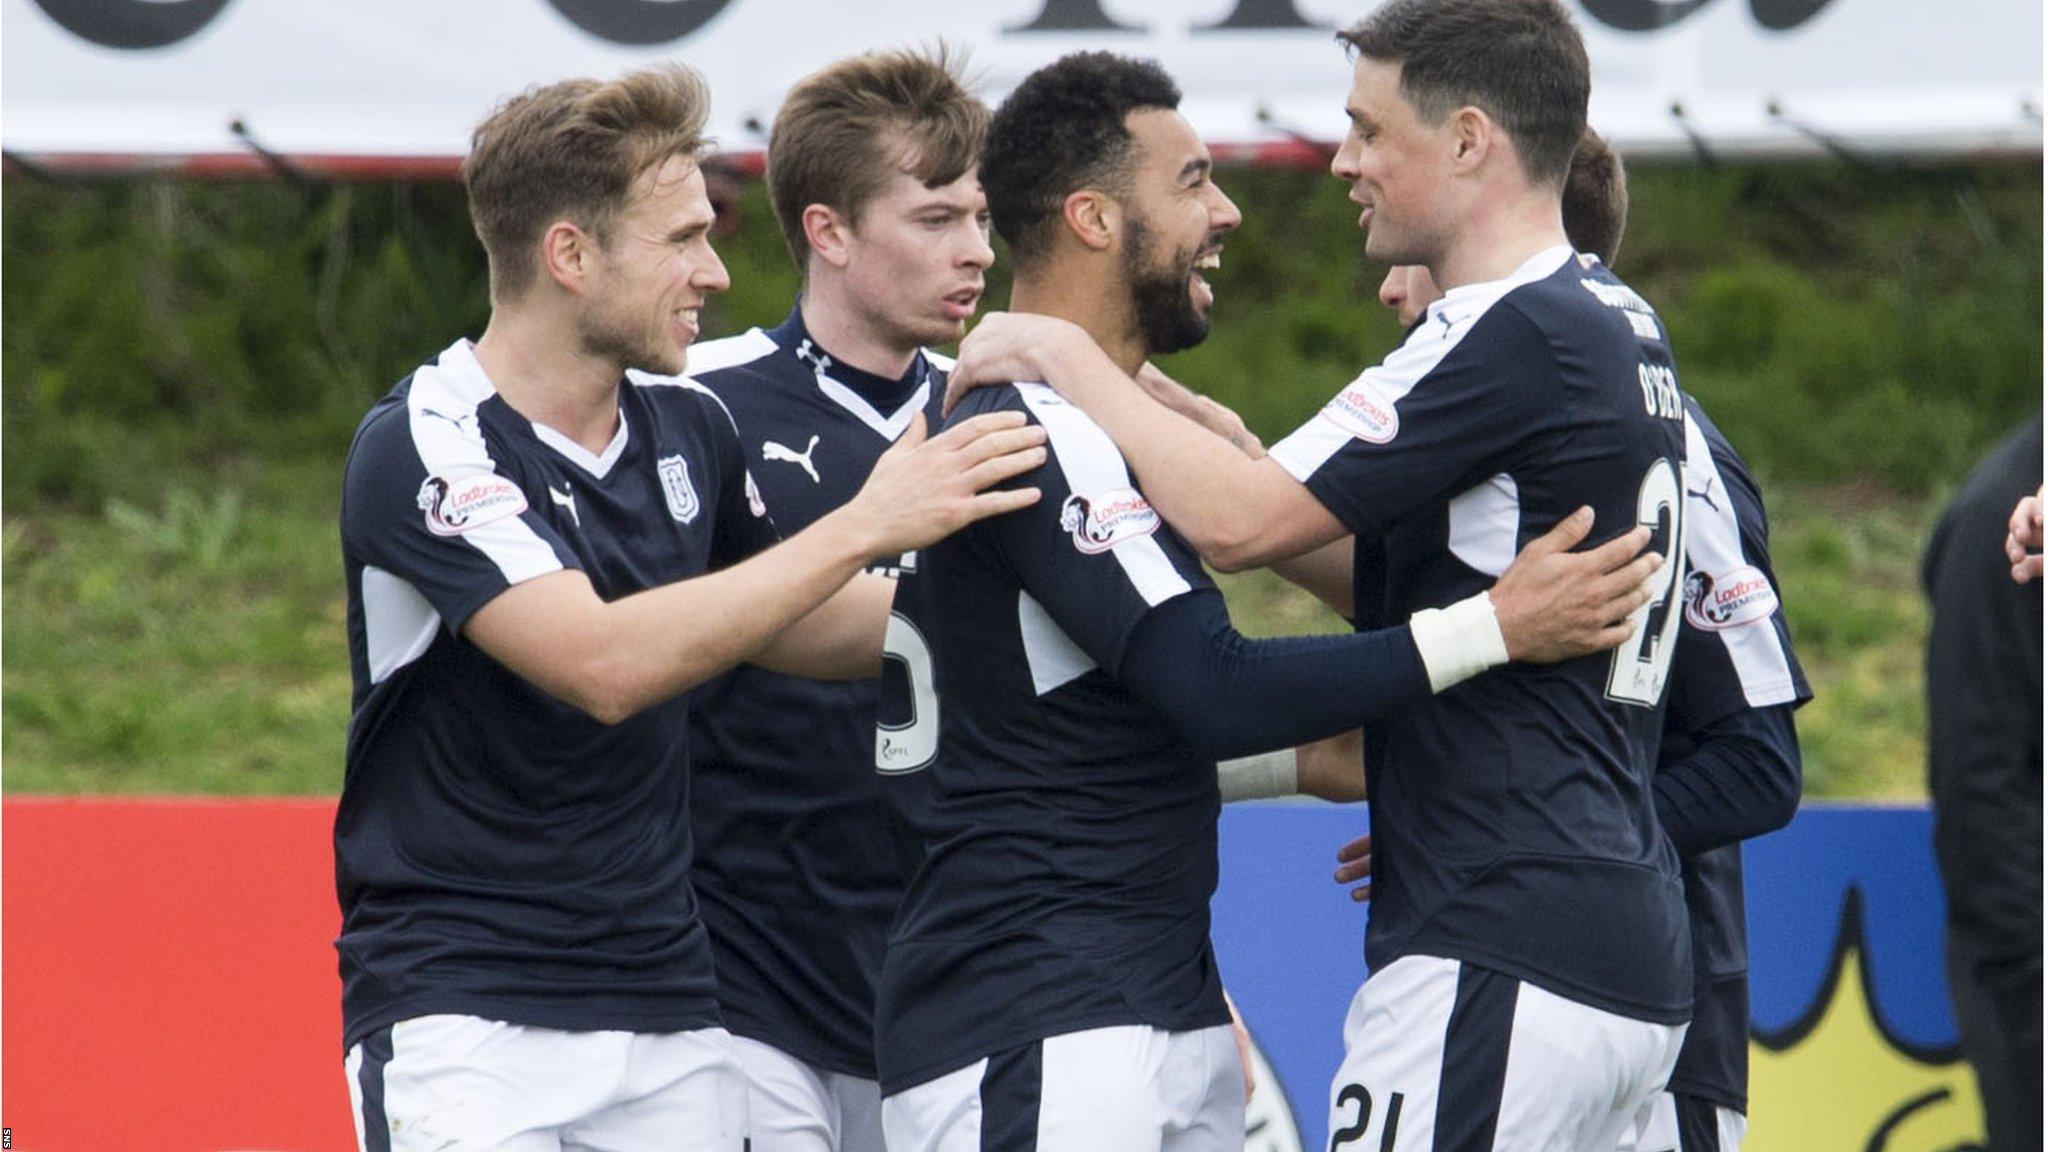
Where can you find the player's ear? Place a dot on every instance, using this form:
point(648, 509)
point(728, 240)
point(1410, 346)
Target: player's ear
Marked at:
point(1473, 135)
point(1093, 218)
point(569, 254)
point(829, 234)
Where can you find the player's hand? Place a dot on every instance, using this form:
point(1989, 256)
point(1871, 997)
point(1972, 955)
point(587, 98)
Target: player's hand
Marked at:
point(922, 490)
point(1354, 863)
point(2023, 538)
point(1554, 604)
point(1217, 418)
point(1243, 1036)
point(1007, 347)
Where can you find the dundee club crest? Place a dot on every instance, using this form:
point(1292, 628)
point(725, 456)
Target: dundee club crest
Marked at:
point(675, 484)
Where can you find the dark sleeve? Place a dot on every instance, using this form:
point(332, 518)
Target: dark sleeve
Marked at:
point(743, 527)
point(1225, 695)
point(1438, 415)
point(423, 501)
point(1984, 698)
point(1736, 778)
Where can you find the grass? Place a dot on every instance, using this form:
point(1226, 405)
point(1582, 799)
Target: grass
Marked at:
point(188, 634)
point(186, 640)
point(1848, 559)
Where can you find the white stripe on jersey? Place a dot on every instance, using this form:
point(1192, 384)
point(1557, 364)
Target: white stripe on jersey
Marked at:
point(441, 407)
point(639, 379)
point(1484, 521)
point(1443, 327)
point(1052, 654)
point(888, 427)
point(597, 465)
point(726, 352)
point(1092, 467)
point(399, 625)
point(1714, 546)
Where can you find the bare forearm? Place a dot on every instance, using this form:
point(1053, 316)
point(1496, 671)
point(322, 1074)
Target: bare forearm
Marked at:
point(615, 659)
point(702, 627)
point(840, 639)
point(1214, 495)
point(1324, 573)
point(1332, 769)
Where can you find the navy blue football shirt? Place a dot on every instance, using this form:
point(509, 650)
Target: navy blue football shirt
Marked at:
point(1513, 817)
point(798, 870)
point(1070, 837)
point(499, 853)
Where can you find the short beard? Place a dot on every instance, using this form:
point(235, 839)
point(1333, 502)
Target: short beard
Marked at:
point(1167, 319)
point(598, 337)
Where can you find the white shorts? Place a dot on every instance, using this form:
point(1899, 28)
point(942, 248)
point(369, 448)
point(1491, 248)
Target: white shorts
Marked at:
point(463, 1084)
point(1122, 1089)
point(1441, 1056)
point(798, 1108)
point(1677, 1123)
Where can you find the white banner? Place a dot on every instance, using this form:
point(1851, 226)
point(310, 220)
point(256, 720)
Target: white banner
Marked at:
point(330, 83)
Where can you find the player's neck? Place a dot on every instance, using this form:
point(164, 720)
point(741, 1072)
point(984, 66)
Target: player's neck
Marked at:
point(536, 364)
point(1099, 304)
point(1496, 241)
point(839, 327)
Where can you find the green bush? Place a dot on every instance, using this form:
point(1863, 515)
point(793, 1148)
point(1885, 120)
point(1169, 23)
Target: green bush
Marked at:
point(184, 362)
point(1845, 323)
point(1840, 322)
point(220, 319)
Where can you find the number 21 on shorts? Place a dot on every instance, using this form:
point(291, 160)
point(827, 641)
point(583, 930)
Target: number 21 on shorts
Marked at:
point(1358, 1099)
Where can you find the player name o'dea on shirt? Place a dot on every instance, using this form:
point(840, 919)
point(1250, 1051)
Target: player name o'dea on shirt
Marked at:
point(456, 506)
point(1719, 601)
point(1100, 522)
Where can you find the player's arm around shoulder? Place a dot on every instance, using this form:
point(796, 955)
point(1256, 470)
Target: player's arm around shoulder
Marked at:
point(614, 659)
point(1235, 511)
point(1324, 572)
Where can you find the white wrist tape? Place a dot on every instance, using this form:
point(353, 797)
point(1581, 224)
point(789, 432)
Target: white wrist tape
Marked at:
point(1459, 642)
point(1264, 777)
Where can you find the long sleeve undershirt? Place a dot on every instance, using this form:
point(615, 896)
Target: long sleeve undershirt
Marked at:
point(1226, 695)
point(1740, 778)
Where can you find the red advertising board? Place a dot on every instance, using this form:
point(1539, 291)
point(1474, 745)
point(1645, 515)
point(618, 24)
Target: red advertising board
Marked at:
point(169, 980)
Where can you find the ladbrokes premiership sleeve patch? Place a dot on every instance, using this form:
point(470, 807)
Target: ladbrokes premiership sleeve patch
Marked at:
point(1716, 602)
point(1100, 522)
point(1365, 411)
point(453, 507)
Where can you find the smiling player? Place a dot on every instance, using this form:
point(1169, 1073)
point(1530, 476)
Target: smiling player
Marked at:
point(1074, 677)
point(1531, 973)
